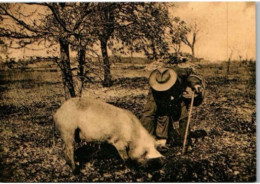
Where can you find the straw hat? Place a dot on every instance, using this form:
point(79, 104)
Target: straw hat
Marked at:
point(162, 79)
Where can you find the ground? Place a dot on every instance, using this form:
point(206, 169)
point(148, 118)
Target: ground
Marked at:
point(28, 100)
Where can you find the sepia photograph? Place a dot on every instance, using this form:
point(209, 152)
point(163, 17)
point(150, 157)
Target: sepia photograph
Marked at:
point(128, 92)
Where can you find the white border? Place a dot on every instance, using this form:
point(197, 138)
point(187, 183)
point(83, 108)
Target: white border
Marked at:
point(257, 88)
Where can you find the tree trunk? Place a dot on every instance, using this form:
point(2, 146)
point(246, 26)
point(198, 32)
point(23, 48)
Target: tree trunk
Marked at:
point(66, 70)
point(228, 66)
point(82, 55)
point(107, 74)
point(82, 61)
point(193, 52)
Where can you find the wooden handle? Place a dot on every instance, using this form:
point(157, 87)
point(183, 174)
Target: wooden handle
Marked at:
point(188, 124)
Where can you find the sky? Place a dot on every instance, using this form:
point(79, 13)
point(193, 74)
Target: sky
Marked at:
point(227, 29)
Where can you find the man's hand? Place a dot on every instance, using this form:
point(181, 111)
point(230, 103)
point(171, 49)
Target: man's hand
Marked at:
point(197, 88)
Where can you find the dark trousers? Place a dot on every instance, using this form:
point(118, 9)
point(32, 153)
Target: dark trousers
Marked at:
point(163, 127)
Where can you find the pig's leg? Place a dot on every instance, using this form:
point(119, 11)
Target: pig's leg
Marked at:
point(69, 149)
point(123, 154)
point(121, 148)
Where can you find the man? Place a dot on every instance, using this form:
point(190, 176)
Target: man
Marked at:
point(166, 111)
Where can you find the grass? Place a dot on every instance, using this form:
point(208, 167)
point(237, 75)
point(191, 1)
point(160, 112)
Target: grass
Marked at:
point(28, 100)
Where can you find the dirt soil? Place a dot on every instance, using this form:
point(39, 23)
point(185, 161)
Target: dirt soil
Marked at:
point(228, 115)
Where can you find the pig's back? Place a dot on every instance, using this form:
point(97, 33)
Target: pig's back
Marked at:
point(100, 120)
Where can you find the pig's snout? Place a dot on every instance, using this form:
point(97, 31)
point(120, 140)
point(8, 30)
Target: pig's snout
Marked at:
point(154, 163)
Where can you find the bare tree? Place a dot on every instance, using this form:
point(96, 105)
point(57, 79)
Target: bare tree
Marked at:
point(27, 32)
point(193, 31)
point(56, 23)
point(229, 61)
point(75, 29)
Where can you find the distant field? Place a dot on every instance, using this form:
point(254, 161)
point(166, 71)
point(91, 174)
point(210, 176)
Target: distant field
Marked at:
point(28, 99)
point(47, 63)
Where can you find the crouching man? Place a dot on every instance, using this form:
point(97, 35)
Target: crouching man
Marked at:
point(166, 111)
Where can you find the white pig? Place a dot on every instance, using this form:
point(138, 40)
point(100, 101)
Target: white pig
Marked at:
point(99, 121)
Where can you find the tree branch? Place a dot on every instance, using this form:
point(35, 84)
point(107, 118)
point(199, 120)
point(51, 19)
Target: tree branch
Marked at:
point(81, 20)
point(20, 22)
point(16, 35)
point(57, 17)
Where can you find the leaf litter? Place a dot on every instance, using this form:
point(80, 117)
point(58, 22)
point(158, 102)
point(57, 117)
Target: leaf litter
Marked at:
point(226, 154)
